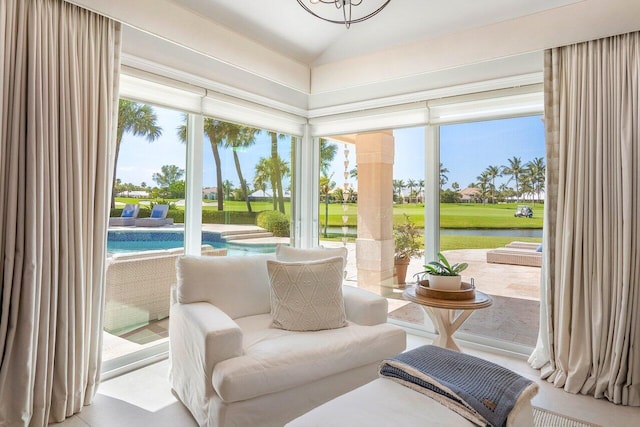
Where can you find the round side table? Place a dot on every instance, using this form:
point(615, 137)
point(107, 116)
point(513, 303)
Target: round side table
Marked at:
point(448, 315)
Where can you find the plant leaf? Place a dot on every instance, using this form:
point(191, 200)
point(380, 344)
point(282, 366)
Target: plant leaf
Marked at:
point(444, 261)
point(457, 268)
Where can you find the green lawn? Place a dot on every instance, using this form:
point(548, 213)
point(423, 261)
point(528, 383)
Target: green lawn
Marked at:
point(452, 215)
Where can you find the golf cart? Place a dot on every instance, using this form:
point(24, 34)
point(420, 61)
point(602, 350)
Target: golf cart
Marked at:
point(524, 211)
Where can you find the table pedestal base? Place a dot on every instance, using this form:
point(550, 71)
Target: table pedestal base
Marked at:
point(448, 315)
point(447, 322)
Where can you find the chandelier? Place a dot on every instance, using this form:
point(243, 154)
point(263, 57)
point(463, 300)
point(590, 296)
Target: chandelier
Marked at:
point(345, 6)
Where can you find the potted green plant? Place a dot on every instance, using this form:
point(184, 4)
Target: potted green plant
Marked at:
point(408, 245)
point(442, 275)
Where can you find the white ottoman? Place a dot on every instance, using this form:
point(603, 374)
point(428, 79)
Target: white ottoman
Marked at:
point(383, 402)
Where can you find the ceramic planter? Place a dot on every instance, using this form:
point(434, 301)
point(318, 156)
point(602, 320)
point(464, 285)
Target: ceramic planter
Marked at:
point(447, 283)
point(401, 265)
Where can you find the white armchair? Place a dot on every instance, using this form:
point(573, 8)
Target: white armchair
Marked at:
point(230, 368)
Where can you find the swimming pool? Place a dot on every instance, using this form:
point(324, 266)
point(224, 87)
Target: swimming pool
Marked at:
point(119, 241)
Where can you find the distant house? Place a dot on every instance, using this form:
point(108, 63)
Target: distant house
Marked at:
point(469, 194)
point(209, 193)
point(264, 195)
point(528, 197)
point(137, 194)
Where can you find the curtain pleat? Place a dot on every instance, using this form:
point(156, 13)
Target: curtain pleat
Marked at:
point(591, 277)
point(60, 69)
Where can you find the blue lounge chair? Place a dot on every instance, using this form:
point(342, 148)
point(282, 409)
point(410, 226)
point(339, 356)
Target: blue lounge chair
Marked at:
point(157, 218)
point(127, 218)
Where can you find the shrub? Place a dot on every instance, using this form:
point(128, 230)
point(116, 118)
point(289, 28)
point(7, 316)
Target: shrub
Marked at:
point(228, 217)
point(275, 222)
point(208, 216)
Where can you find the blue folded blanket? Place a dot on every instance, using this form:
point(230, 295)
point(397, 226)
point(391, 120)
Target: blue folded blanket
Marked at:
point(481, 391)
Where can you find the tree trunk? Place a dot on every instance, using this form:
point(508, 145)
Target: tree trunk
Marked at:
point(326, 213)
point(243, 184)
point(276, 179)
point(219, 188)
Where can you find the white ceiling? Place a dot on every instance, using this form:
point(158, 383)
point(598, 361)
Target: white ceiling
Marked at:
point(274, 53)
point(283, 26)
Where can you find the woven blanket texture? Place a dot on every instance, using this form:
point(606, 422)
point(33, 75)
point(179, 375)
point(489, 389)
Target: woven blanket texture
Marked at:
point(481, 391)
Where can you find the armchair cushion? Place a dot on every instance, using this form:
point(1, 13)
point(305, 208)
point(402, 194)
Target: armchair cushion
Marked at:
point(307, 296)
point(289, 254)
point(276, 360)
point(239, 286)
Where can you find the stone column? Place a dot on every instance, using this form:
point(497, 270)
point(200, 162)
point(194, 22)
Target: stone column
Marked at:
point(374, 245)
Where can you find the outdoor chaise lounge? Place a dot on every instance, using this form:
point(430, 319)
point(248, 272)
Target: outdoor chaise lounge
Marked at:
point(127, 218)
point(516, 253)
point(157, 218)
point(138, 286)
point(525, 245)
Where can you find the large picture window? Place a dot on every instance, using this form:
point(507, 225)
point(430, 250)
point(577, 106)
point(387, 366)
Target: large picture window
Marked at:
point(146, 229)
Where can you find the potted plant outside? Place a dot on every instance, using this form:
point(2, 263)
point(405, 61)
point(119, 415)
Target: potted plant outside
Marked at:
point(408, 245)
point(442, 275)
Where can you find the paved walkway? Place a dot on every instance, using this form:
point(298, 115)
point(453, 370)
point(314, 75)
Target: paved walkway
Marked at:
point(514, 315)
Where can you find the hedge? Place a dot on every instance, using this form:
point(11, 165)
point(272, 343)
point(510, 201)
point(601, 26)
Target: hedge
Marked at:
point(208, 216)
point(275, 222)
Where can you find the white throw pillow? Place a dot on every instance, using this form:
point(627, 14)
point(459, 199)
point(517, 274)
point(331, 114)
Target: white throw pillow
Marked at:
point(289, 254)
point(307, 296)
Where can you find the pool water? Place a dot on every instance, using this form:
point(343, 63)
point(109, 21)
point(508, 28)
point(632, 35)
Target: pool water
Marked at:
point(122, 241)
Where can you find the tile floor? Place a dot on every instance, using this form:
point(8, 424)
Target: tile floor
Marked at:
point(143, 398)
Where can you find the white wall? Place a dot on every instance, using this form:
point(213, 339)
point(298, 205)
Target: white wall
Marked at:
point(501, 55)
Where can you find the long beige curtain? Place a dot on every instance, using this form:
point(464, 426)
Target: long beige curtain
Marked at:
point(590, 329)
point(59, 74)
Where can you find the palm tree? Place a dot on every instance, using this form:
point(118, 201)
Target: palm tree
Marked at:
point(410, 185)
point(328, 152)
point(526, 182)
point(238, 137)
point(493, 172)
point(215, 132)
point(421, 185)
point(262, 174)
point(353, 173)
point(136, 119)
point(504, 191)
point(443, 177)
point(398, 186)
point(514, 169)
point(483, 185)
point(353, 196)
point(326, 185)
point(277, 174)
point(228, 188)
point(536, 170)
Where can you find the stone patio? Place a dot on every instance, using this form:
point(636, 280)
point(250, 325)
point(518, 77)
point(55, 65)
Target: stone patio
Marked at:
point(514, 315)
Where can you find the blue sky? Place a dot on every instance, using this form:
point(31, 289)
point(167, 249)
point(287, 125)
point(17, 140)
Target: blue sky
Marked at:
point(466, 150)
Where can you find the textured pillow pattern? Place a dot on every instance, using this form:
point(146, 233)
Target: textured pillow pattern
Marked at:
point(307, 296)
